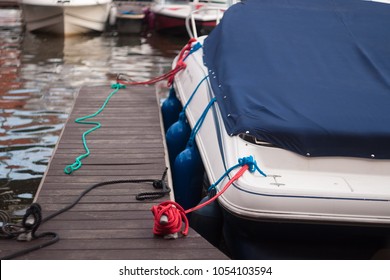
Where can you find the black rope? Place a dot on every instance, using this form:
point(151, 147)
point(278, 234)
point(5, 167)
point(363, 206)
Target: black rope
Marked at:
point(33, 216)
point(158, 184)
point(32, 219)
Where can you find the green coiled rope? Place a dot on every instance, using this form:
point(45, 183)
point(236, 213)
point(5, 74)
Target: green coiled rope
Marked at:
point(78, 161)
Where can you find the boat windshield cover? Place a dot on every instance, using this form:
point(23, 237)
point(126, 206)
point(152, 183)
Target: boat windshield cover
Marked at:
point(309, 76)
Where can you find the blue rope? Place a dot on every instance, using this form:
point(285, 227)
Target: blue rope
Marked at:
point(182, 114)
point(199, 123)
point(193, 93)
point(241, 162)
point(194, 48)
point(251, 164)
point(77, 163)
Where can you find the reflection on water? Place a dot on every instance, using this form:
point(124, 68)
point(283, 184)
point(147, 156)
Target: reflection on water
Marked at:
point(40, 77)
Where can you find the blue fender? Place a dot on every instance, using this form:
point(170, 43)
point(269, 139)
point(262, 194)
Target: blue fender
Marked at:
point(188, 174)
point(177, 137)
point(170, 109)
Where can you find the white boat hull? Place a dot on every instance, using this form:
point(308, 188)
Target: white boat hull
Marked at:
point(330, 190)
point(66, 18)
point(325, 195)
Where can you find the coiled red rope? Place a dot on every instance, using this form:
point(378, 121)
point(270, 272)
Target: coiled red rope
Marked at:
point(176, 215)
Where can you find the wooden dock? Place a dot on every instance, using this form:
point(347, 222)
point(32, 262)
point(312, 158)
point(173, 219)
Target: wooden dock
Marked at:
point(109, 223)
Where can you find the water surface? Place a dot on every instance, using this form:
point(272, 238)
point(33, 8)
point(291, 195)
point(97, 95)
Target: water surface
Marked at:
point(40, 77)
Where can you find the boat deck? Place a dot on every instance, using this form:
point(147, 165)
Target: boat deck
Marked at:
point(109, 223)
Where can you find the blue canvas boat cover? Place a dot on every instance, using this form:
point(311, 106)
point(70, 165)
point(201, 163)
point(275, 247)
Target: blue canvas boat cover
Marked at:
point(309, 76)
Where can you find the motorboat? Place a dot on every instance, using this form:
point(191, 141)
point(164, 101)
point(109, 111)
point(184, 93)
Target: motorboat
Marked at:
point(302, 88)
point(130, 16)
point(170, 15)
point(66, 17)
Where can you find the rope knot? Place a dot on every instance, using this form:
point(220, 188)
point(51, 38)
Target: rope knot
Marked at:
point(252, 165)
point(72, 167)
point(158, 184)
point(248, 161)
point(117, 86)
point(168, 219)
point(180, 65)
point(31, 221)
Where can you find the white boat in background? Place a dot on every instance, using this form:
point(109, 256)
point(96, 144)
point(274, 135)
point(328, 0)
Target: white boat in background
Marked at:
point(306, 94)
point(170, 15)
point(65, 17)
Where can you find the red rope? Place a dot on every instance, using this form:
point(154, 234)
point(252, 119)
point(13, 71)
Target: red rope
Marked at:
point(177, 215)
point(180, 65)
point(231, 181)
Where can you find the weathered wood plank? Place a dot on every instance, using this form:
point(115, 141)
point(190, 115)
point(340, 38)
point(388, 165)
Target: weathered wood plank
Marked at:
point(99, 215)
point(135, 254)
point(117, 244)
point(111, 167)
point(103, 150)
point(100, 199)
point(55, 190)
point(101, 206)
